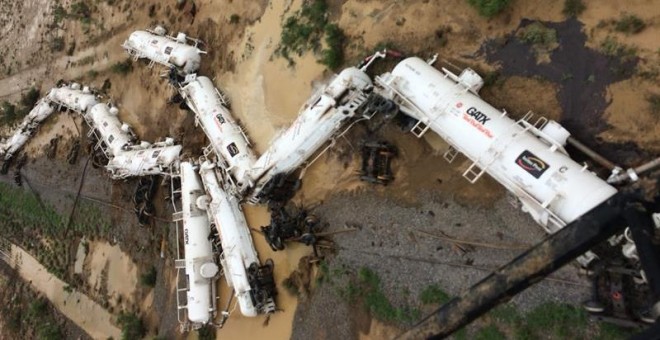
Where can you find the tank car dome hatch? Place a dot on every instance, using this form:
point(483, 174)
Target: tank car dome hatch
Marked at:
point(471, 80)
point(86, 90)
point(160, 30)
point(202, 202)
point(181, 37)
point(556, 132)
point(75, 86)
point(208, 270)
point(114, 111)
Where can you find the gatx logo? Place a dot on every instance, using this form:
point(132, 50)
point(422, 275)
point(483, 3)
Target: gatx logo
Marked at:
point(534, 165)
point(478, 115)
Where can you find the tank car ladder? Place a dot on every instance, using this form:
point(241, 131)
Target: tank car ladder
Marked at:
point(480, 166)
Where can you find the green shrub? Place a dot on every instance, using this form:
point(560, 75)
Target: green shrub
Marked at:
point(538, 34)
point(49, 331)
point(629, 24)
point(122, 67)
point(59, 14)
point(612, 48)
point(30, 98)
point(149, 277)
point(234, 19)
point(489, 8)
point(131, 326)
point(573, 8)
point(57, 44)
point(333, 55)
point(490, 332)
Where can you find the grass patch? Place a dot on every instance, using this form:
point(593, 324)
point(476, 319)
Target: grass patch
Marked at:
point(489, 8)
point(629, 24)
point(42, 231)
point(490, 332)
point(122, 67)
point(11, 113)
point(554, 320)
point(433, 294)
point(573, 8)
point(375, 300)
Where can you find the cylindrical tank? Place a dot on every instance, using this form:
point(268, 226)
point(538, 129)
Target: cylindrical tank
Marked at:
point(40, 112)
point(164, 50)
point(238, 251)
point(321, 118)
point(144, 162)
point(549, 183)
point(224, 134)
point(73, 98)
point(109, 128)
point(197, 247)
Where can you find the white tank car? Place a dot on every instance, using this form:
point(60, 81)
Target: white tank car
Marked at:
point(145, 160)
point(165, 50)
point(238, 252)
point(226, 137)
point(26, 129)
point(528, 159)
point(321, 119)
point(73, 97)
point(116, 135)
point(201, 269)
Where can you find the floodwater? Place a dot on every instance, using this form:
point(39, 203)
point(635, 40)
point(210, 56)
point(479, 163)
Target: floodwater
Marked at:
point(121, 271)
point(266, 94)
point(582, 74)
point(279, 325)
point(82, 310)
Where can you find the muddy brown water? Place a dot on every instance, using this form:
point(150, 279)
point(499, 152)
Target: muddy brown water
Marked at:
point(582, 75)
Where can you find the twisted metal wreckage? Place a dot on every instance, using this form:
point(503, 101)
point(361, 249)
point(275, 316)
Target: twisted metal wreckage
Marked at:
point(528, 157)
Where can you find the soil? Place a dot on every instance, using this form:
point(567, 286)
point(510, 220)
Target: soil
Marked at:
point(266, 94)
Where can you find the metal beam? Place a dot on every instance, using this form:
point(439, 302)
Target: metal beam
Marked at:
point(530, 267)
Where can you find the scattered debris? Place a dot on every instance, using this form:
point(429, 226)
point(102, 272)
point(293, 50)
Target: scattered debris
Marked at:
point(72, 157)
point(376, 162)
point(294, 224)
point(143, 199)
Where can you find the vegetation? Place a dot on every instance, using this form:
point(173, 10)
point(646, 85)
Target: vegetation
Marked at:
point(80, 10)
point(612, 48)
point(490, 332)
point(629, 24)
point(234, 19)
point(573, 8)
point(122, 67)
point(305, 30)
point(149, 278)
point(489, 8)
point(57, 44)
point(40, 230)
point(433, 294)
point(538, 34)
point(131, 326)
point(333, 54)
point(59, 14)
point(11, 113)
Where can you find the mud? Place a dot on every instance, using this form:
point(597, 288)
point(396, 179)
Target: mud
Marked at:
point(582, 75)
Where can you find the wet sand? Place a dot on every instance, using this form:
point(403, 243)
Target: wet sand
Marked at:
point(86, 313)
